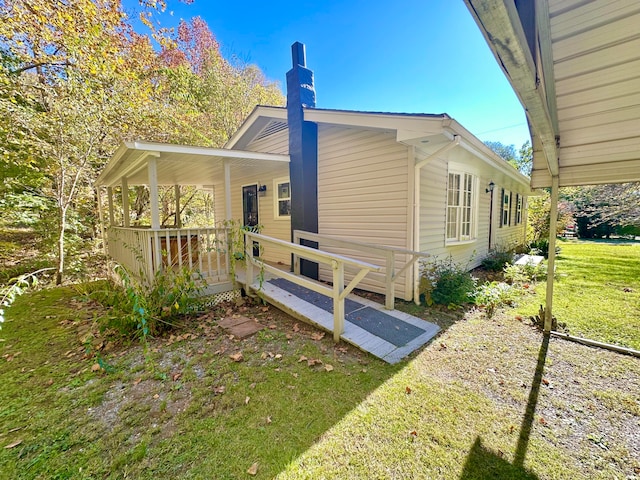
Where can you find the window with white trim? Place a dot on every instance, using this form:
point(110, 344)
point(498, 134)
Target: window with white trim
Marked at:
point(282, 197)
point(519, 203)
point(505, 218)
point(461, 207)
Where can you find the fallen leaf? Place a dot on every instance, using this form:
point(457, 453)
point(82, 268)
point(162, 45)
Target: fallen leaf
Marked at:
point(328, 367)
point(253, 469)
point(237, 357)
point(14, 444)
point(413, 435)
point(253, 385)
point(137, 380)
point(443, 346)
point(296, 327)
point(246, 400)
point(302, 359)
point(50, 382)
point(295, 375)
point(289, 336)
point(219, 390)
point(278, 356)
point(268, 421)
point(265, 309)
point(543, 421)
point(156, 396)
point(318, 336)
point(545, 381)
point(407, 390)
point(314, 361)
point(95, 367)
point(272, 326)
point(176, 376)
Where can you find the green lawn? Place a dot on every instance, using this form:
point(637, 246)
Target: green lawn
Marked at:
point(597, 291)
point(486, 399)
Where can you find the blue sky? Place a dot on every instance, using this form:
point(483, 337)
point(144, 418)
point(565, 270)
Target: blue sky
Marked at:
point(422, 56)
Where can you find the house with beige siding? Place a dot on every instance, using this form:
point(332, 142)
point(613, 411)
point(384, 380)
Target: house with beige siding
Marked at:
point(413, 182)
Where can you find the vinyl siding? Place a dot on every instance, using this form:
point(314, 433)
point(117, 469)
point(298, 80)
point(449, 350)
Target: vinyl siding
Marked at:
point(362, 195)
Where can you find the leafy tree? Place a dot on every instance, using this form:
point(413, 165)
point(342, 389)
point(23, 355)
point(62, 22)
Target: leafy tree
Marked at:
point(521, 159)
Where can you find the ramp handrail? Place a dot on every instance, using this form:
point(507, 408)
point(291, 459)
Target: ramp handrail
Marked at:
point(337, 262)
point(384, 251)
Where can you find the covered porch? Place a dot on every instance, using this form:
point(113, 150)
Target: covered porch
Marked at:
point(151, 245)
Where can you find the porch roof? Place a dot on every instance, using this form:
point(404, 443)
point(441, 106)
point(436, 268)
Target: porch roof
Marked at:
point(575, 67)
point(176, 164)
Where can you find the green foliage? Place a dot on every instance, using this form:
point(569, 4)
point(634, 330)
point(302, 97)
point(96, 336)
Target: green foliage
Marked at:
point(541, 247)
point(145, 310)
point(446, 283)
point(492, 295)
point(17, 287)
point(520, 274)
point(497, 259)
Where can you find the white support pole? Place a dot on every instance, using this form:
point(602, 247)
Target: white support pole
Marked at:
point(125, 202)
point(551, 263)
point(390, 284)
point(338, 302)
point(227, 190)
point(153, 193)
point(103, 230)
point(176, 189)
point(110, 198)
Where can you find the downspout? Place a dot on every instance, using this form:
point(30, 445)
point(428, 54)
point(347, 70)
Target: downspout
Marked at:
point(551, 261)
point(416, 209)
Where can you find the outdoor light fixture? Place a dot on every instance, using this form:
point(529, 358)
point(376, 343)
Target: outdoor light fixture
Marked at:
point(262, 188)
point(491, 185)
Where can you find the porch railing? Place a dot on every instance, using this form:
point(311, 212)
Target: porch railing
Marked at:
point(144, 252)
point(387, 253)
point(338, 292)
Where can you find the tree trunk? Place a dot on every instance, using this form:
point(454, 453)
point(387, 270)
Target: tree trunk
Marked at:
point(62, 227)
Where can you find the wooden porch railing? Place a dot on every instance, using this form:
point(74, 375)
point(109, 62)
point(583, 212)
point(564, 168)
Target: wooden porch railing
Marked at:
point(144, 252)
point(338, 292)
point(383, 251)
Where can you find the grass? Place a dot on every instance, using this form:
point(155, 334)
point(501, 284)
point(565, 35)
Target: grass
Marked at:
point(597, 291)
point(486, 399)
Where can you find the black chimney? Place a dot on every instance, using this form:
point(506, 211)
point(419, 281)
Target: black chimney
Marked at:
point(303, 151)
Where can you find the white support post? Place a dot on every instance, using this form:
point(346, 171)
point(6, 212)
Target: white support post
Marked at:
point(110, 199)
point(338, 301)
point(227, 190)
point(248, 255)
point(153, 193)
point(390, 284)
point(125, 203)
point(551, 262)
point(103, 230)
point(176, 189)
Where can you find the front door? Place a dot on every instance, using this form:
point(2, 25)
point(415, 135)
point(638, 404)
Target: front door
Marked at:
point(250, 211)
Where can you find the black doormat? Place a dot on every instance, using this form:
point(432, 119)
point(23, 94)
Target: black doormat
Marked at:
point(376, 322)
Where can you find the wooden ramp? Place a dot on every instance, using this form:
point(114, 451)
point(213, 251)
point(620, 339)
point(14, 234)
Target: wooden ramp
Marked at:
point(387, 334)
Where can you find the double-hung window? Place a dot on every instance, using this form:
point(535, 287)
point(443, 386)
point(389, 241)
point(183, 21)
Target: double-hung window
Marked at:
point(282, 198)
point(461, 207)
point(519, 203)
point(505, 218)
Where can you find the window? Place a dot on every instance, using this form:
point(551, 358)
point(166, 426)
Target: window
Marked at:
point(505, 219)
point(282, 198)
point(519, 202)
point(461, 199)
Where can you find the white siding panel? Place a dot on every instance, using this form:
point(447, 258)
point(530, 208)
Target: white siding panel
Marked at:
point(278, 228)
point(362, 195)
point(275, 143)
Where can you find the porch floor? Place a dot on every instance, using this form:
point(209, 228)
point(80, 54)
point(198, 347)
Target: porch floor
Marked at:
point(387, 334)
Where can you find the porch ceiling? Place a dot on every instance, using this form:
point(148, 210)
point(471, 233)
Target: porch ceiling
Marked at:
point(575, 65)
point(177, 164)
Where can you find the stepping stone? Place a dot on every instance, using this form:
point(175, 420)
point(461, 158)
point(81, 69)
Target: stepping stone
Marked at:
point(240, 327)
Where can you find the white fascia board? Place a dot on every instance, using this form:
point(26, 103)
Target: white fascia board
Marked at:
point(499, 23)
point(474, 145)
point(425, 125)
point(209, 152)
point(260, 111)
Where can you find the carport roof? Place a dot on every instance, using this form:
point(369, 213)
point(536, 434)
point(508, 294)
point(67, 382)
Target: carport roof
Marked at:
point(575, 65)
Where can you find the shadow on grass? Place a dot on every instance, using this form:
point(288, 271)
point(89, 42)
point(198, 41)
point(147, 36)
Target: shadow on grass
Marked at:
point(482, 463)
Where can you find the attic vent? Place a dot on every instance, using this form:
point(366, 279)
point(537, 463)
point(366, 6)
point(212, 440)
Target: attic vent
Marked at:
point(271, 128)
